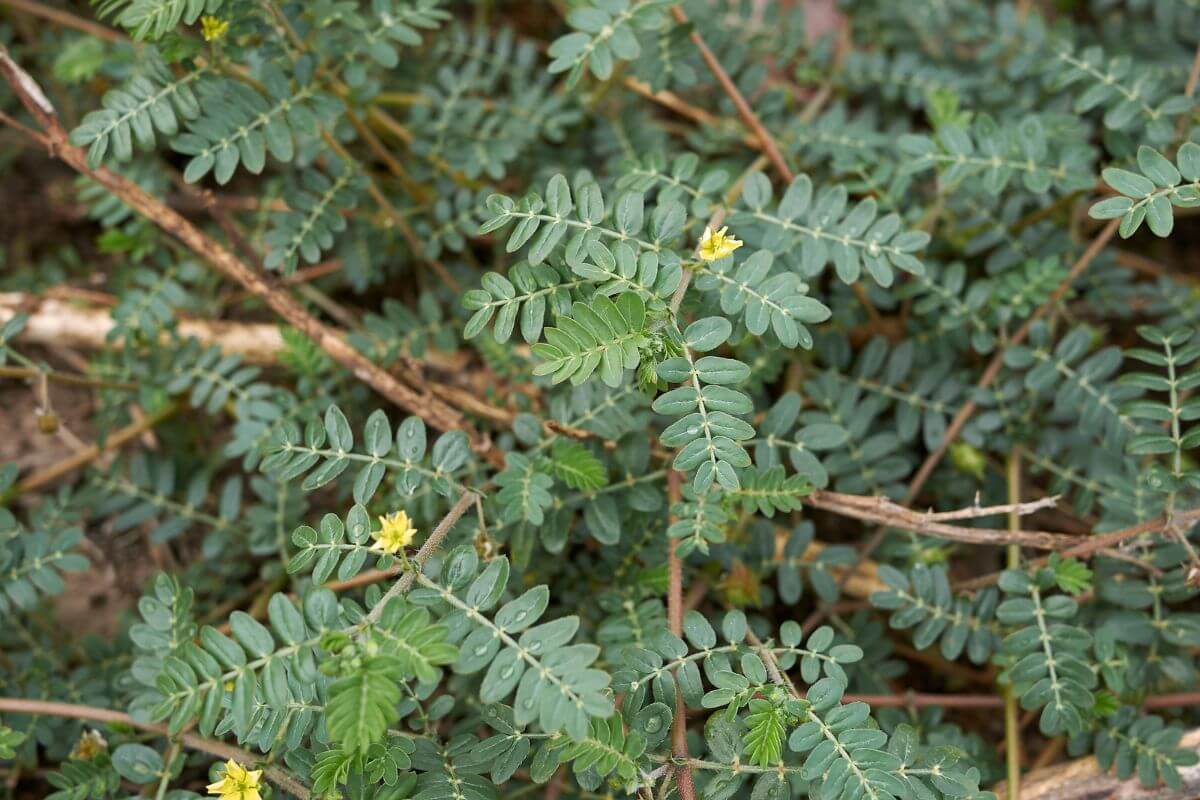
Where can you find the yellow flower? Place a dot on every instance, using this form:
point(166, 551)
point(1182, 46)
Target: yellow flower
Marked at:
point(213, 28)
point(239, 783)
point(717, 245)
point(396, 533)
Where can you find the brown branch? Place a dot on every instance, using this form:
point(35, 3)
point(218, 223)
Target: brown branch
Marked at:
point(680, 106)
point(363, 579)
point(1106, 540)
point(993, 368)
point(1178, 700)
point(1020, 509)
point(679, 746)
point(674, 102)
point(68, 378)
point(277, 775)
point(975, 511)
point(1128, 558)
point(926, 700)
point(422, 403)
point(1193, 75)
point(985, 380)
point(23, 129)
point(739, 102)
point(302, 275)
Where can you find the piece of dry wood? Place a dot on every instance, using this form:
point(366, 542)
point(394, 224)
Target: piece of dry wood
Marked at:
point(66, 19)
point(53, 321)
point(1082, 779)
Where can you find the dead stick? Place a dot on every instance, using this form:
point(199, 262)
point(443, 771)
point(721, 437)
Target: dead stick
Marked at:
point(1096, 544)
point(891, 515)
point(993, 368)
point(65, 377)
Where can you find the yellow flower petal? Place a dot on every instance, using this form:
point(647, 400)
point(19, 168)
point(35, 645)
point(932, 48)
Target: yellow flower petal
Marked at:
point(395, 533)
point(715, 245)
point(213, 28)
point(238, 783)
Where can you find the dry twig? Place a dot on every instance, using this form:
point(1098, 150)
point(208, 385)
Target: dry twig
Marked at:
point(884, 512)
point(985, 380)
point(1099, 543)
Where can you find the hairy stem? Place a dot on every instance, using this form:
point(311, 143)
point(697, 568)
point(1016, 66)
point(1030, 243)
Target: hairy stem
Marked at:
point(465, 501)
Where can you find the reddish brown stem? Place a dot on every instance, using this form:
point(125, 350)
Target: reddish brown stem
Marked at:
point(89, 454)
point(769, 148)
point(683, 771)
